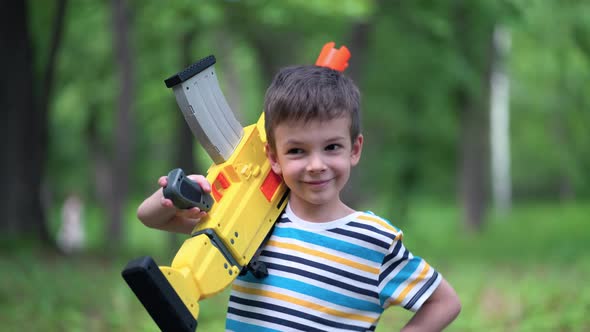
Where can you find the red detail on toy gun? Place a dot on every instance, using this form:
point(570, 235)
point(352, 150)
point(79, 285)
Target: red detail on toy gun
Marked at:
point(220, 183)
point(270, 185)
point(333, 58)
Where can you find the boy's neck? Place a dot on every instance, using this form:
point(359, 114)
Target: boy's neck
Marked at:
point(319, 213)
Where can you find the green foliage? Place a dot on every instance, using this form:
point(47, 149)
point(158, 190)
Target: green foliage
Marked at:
point(549, 127)
point(417, 56)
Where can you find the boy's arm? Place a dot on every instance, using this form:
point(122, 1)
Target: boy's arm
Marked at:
point(437, 312)
point(159, 212)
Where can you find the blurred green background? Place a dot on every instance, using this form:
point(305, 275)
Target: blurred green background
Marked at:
point(476, 125)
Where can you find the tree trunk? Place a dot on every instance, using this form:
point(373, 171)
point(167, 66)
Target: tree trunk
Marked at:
point(474, 46)
point(358, 44)
point(232, 83)
point(123, 126)
point(500, 122)
point(24, 129)
point(185, 145)
point(472, 160)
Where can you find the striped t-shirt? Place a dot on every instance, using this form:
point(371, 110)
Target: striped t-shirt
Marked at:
point(333, 276)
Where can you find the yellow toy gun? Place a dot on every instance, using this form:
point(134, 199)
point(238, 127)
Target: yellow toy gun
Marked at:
point(247, 199)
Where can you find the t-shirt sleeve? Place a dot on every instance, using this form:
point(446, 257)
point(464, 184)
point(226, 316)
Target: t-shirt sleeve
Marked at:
point(404, 279)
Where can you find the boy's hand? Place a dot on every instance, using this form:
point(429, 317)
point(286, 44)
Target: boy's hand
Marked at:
point(192, 213)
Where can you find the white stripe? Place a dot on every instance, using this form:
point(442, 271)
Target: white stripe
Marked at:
point(257, 322)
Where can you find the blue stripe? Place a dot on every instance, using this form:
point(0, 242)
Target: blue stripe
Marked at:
point(238, 326)
point(314, 291)
point(269, 307)
point(401, 277)
point(323, 279)
point(333, 244)
point(343, 273)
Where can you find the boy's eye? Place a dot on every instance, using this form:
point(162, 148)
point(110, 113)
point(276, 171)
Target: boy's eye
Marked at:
point(333, 147)
point(294, 151)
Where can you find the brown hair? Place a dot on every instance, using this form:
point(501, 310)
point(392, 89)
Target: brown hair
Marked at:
point(304, 93)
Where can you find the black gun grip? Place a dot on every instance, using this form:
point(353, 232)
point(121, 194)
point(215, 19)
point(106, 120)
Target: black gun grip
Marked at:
point(157, 296)
point(185, 193)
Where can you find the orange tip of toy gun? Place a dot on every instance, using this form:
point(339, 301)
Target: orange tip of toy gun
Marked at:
point(333, 58)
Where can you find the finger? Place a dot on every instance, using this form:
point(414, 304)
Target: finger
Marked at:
point(163, 181)
point(196, 215)
point(165, 202)
point(189, 213)
point(202, 181)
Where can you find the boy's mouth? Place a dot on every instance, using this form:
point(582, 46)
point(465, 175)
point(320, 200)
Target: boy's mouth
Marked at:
point(317, 182)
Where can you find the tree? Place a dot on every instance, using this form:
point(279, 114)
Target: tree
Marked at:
point(472, 37)
point(122, 157)
point(24, 132)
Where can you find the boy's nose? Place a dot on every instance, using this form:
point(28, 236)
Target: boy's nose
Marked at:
point(316, 164)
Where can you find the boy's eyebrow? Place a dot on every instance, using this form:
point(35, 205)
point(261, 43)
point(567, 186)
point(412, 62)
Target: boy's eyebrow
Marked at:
point(292, 141)
point(336, 138)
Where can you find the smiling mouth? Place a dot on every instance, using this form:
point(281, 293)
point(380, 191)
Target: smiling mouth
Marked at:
point(317, 183)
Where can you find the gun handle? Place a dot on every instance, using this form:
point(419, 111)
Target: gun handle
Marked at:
point(185, 193)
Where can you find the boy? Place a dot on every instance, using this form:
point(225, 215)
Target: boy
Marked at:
point(330, 268)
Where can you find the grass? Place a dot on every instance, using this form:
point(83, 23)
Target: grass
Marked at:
point(524, 272)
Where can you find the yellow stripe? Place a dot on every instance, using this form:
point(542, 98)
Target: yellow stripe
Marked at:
point(381, 222)
point(303, 303)
point(411, 285)
point(318, 253)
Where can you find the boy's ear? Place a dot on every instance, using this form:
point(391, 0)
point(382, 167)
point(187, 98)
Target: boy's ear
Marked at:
point(272, 158)
point(357, 148)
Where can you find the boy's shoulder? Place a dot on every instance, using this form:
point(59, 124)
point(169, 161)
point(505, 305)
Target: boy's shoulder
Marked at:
point(380, 224)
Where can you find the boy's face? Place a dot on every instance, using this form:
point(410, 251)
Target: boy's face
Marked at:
point(315, 159)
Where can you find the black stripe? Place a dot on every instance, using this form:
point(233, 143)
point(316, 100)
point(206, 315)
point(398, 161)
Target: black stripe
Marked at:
point(391, 256)
point(360, 236)
point(394, 252)
point(320, 278)
point(283, 219)
point(421, 292)
point(344, 273)
point(389, 234)
point(270, 319)
point(293, 312)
